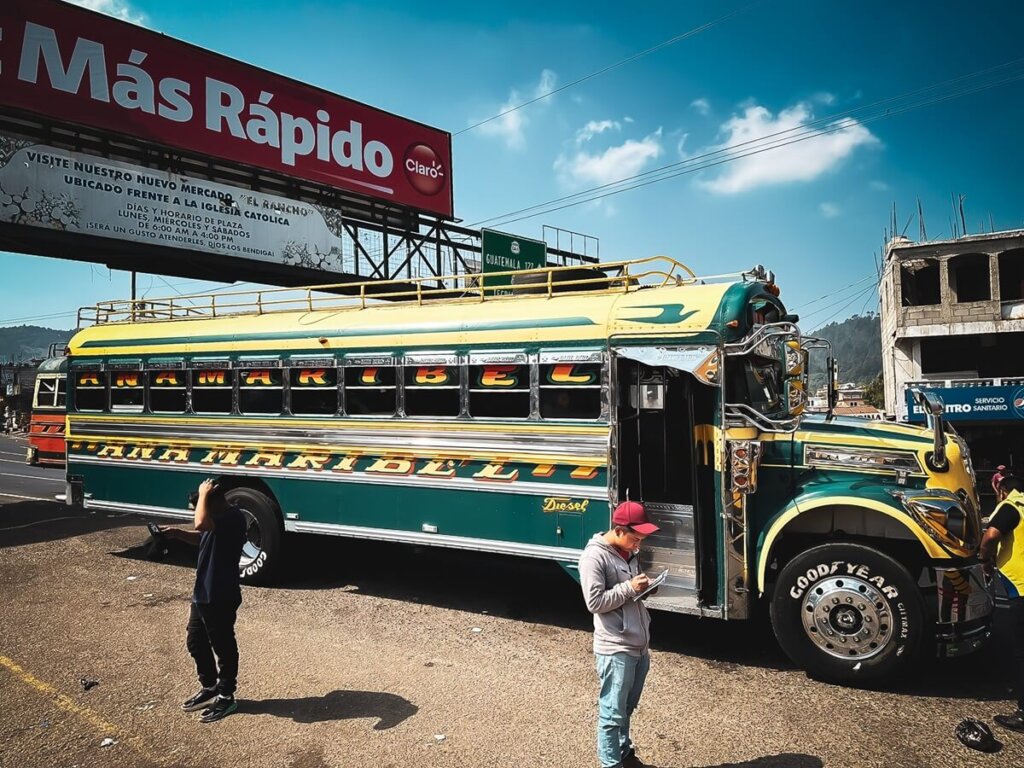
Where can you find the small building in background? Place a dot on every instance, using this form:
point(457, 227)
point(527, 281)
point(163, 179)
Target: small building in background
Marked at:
point(859, 411)
point(953, 322)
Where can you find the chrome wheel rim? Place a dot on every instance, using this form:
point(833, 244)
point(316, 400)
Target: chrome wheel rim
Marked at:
point(253, 546)
point(847, 617)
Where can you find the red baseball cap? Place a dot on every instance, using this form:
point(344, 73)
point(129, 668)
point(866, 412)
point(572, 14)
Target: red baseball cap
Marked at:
point(632, 515)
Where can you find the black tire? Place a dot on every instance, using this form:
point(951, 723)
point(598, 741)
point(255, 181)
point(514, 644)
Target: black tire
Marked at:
point(540, 279)
point(262, 553)
point(848, 613)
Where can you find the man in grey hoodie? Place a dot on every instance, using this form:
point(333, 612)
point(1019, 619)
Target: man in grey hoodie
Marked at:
point(611, 579)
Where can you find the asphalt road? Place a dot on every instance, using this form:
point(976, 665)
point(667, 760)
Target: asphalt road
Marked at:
point(386, 655)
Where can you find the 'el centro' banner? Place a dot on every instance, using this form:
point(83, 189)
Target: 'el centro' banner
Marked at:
point(973, 403)
point(77, 66)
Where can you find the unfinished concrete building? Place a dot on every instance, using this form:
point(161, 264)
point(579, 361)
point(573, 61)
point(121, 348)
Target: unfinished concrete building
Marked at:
point(953, 322)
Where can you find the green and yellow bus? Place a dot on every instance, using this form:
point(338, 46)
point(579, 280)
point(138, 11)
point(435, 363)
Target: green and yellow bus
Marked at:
point(456, 417)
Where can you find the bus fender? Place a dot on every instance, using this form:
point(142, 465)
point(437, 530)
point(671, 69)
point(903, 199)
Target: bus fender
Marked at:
point(801, 506)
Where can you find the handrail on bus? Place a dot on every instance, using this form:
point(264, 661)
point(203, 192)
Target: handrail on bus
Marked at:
point(611, 277)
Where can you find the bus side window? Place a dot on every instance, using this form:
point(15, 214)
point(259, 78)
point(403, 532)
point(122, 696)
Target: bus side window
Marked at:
point(432, 390)
point(499, 391)
point(46, 393)
point(90, 391)
point(314, 391)
point(370, 390)
point(62, 389)
point(166, 391)
point(570, 391)
point(211, 390)
point(127, 394)
point(260, 391)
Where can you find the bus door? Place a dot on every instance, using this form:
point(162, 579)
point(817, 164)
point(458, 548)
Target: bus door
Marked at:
point(663, 414)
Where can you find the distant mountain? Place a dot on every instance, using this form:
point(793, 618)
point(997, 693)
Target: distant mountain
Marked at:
point(21, 343)
point(857, 345)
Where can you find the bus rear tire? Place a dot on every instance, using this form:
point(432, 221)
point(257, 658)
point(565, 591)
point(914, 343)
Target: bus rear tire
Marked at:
point(848, 613)
point(261, 553)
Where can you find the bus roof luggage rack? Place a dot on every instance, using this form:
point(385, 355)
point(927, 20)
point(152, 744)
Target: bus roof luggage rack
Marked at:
point(609, 277)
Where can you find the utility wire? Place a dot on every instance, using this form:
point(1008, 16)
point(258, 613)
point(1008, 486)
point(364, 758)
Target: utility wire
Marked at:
point(829, 319)
point(758, 145)
point(610, 67)
point(832, 294)
point(800, 128)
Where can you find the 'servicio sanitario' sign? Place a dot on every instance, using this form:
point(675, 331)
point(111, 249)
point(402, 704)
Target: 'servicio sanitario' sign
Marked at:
point(79, 67)
point(43, 186)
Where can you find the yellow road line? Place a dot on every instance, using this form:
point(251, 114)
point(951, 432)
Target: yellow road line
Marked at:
point(69, 705)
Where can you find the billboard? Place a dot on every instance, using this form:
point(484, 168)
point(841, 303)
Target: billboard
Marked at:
point(75, 66)
point(502, 252)
point(972, 403)
point(63, 191)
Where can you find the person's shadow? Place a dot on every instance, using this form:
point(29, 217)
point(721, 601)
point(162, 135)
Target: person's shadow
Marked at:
point(389, 708)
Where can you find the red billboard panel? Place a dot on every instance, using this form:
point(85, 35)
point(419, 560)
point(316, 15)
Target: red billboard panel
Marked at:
point(76, 66)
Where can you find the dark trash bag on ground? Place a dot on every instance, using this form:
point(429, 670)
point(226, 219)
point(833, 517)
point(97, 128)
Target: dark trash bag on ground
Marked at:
point(974, 734)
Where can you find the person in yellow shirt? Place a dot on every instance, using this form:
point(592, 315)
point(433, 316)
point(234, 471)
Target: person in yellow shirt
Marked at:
point(1002, 548)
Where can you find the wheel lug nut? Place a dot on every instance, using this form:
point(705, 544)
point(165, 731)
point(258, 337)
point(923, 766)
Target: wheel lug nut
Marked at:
point(835, 601)
point(849, 599)
point(860, 606)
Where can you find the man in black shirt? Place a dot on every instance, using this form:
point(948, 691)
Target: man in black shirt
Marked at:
point(219, 530)
point(1002, 548)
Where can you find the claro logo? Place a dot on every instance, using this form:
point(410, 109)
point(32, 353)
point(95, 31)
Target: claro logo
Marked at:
point(423, 169)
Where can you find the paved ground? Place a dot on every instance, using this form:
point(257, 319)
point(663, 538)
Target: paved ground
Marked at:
point(368, 656)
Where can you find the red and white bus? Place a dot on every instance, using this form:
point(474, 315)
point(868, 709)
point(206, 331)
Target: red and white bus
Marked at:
point(46, 427)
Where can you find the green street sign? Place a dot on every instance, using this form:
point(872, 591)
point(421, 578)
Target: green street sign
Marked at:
point(502, 252)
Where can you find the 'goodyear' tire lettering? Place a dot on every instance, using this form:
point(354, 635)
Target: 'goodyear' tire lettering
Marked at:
point(831, 569)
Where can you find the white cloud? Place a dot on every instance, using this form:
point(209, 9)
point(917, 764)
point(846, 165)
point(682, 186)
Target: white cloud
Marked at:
point(829, 210)
point(803, 160)
point(594, 127)
point(119, 9)
point(702, 106)
point(585, 169)
point(511, 125)
point(826, 98)
point(879, 186)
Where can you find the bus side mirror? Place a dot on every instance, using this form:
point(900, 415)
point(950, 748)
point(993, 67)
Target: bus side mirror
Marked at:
point(934, 408)
point(833, 382)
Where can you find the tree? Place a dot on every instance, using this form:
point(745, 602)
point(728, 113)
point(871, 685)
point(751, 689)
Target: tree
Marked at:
point(874, 393)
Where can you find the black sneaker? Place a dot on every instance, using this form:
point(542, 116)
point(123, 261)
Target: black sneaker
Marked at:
point(220, 708)
point(200, 701)
point(1014, 722)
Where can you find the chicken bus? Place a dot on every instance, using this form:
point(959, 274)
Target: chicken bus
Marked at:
point(512, 419)
point(46, 424)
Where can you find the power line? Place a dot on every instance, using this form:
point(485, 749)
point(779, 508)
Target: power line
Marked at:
point(829, 319)
point(832, 294)
point(798, 133)
point(610, 67)
point(36, 317)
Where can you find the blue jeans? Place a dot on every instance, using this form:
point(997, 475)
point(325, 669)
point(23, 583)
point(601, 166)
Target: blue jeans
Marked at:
point(622, 681)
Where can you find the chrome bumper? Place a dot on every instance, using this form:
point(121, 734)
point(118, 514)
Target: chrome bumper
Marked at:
point(965, 605)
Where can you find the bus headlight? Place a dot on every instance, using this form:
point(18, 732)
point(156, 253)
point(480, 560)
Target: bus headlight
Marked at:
point(948, 519)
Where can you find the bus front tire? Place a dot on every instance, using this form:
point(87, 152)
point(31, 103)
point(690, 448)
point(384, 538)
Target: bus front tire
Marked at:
point(261, 553)
point(848, 613)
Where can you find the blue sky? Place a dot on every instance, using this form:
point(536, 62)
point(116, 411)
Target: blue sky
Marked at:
point(814, 211)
